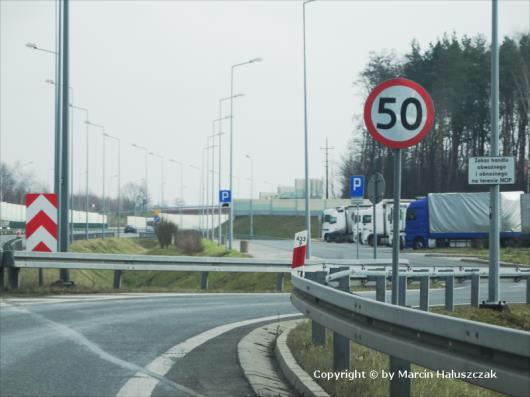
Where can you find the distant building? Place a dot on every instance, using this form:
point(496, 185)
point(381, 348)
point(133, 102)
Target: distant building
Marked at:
point(316, 188)
point(286, 192)
point(267, 195)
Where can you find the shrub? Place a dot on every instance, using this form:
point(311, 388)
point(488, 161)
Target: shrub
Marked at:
point(165, 231)
point(189, 242)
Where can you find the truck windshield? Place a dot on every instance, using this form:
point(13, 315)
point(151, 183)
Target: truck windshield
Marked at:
point(367, 219)
point(330, 219)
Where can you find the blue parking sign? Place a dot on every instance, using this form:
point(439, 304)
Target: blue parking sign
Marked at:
point(225, 196)
point(357, 186)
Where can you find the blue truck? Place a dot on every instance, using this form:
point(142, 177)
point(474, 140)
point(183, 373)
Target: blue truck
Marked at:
point(440, 218)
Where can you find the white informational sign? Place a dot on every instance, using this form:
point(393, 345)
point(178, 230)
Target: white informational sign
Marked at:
point(491, 171)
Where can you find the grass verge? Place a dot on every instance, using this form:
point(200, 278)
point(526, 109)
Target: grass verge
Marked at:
point(517, 316)
point(312, 358)
point(283, 227)
point(93, 281)
point(518, 255)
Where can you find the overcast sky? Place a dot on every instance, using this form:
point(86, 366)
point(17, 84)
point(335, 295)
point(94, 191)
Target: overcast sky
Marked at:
point(152, 73)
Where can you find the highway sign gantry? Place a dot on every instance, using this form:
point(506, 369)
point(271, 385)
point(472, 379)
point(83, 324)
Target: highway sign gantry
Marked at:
point(41, 222)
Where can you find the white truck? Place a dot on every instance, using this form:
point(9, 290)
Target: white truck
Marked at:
point(384, 220)
point(340, 223)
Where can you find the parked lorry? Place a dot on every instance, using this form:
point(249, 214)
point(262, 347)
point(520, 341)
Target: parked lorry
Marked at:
point(384, 219)
point(343, 224)
point(440, 218)
point(338, 224)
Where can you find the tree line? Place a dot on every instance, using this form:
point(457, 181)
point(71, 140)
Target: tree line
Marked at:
point(16, 183)
point(456, 72)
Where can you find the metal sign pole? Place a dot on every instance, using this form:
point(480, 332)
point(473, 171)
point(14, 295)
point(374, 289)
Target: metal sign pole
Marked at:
point(357, 230)
point(494, 238)
point(395, 233)
point(374, 223)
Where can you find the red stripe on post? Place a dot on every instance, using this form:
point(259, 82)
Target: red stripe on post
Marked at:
point(41, 219)
point(298, 256)
point(41, 247)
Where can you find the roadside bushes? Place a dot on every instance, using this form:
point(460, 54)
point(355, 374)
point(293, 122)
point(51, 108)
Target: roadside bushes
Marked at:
point(165, 231)
point(189, 241)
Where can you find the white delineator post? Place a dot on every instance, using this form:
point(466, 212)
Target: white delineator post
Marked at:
point(299, 249)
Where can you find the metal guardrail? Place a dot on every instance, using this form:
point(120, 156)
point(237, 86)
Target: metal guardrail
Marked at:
point(438, 342)
point(13, 261)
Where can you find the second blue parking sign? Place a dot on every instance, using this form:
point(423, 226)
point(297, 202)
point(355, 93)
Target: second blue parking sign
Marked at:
point(357, 186)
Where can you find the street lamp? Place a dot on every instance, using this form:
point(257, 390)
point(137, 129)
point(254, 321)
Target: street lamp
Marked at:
point(210, 194)
point(181, 188)
point(145, 181)
point(119, 177)
point(103, 174)
point(306, 144)
point(71, 105)
point(162, 179)
point(86, 165)
point(219, 133)
point(254, 60)
point(200, 196)
point(251, 195)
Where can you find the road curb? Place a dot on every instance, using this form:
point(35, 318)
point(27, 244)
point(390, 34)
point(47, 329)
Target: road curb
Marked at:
point(297, 377)
point(255, 355)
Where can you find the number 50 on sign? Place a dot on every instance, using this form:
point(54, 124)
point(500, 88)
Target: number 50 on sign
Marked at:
point(399, 113)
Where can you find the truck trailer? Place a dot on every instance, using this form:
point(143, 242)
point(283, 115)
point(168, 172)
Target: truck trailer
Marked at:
point(440, 218)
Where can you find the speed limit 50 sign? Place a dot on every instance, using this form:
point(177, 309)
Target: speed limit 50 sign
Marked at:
point(398, 113)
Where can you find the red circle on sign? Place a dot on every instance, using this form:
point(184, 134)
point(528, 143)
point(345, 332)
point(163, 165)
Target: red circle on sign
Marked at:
point(399, 81)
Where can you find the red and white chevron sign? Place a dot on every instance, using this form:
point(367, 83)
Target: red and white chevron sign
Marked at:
point(41, 222)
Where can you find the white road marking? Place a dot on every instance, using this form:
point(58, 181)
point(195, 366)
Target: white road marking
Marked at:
point(80, 339)
point(142, 385)
point(98, 297)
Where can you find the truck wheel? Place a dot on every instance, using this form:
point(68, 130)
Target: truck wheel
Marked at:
point(327, 239)
point(401, 243)
point(418, 244)
point(371, 241)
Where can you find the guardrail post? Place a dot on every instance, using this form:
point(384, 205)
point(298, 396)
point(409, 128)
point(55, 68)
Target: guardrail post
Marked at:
point(117, 279)
point(341, 344)
point(528, 290)
point(424, 293)
point(399, 387)
point(318, 332)
point(402, 291)
point(449, 295)
point(475, 289)
point(279, 282)
point(204, 280)
point(13, 273)
point(380, 288)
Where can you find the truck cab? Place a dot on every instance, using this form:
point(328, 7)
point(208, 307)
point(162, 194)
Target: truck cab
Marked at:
point(333, 224)
point(417, 224)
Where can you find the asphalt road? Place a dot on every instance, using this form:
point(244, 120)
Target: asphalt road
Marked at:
point(325, 250)
point(132, 345)
point(92, 348)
